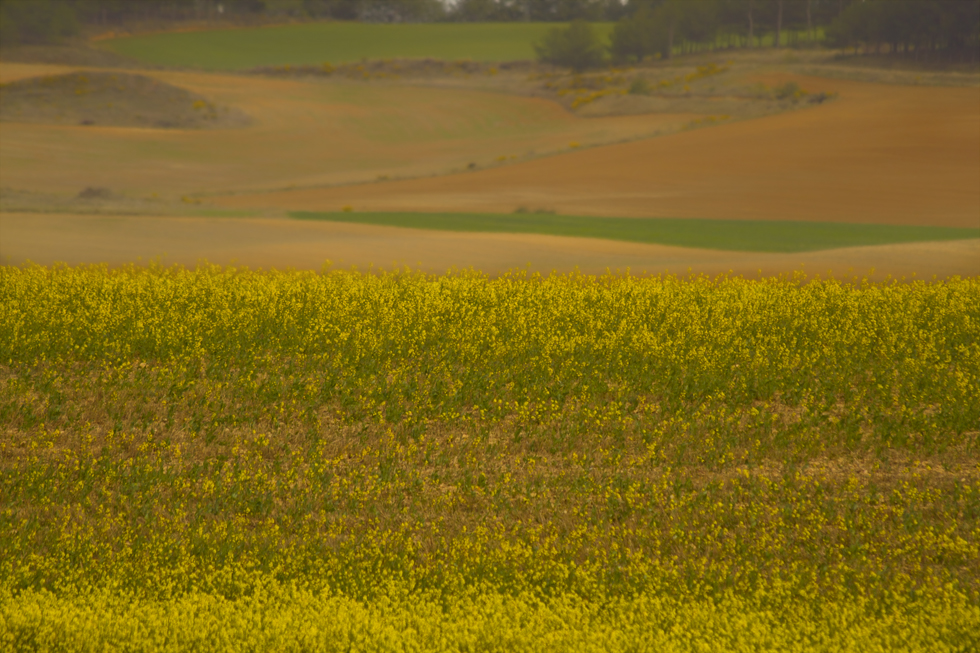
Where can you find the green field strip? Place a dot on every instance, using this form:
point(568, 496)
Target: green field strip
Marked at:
point(335, 42)
point(732, 235)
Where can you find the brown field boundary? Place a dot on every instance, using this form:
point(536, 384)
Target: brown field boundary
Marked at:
point(878, 154)
point(279, 243)
point(301, 133)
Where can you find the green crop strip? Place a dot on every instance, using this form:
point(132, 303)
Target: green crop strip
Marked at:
point(335, 42)
point(224, 459)
point(734, 235)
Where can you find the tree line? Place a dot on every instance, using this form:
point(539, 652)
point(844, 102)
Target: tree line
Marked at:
point(644, 28)
point(46, 21)
point(911, 27)
point(920, 29)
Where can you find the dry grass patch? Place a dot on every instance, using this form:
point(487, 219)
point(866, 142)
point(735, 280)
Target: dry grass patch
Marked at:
point(116, 99)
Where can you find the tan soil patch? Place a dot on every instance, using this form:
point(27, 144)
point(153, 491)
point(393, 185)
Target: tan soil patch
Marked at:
point(279, 243)
point(303, 133)
point(10, 72)
point(114, 99)
point(877, 154)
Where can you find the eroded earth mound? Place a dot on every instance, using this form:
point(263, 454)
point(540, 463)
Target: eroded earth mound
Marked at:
point(111, 99)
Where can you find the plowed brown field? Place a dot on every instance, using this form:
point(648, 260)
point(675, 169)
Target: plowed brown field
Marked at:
point(878, 154)
point(302, 133)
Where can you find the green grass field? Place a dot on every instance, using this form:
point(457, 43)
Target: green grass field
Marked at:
point(732, 235)
point(334, 42)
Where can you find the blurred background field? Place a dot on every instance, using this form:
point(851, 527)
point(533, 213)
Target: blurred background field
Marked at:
point(455, 117)
point(320, 143)
point(305, 133)
point(738, 235)
point(334, 42)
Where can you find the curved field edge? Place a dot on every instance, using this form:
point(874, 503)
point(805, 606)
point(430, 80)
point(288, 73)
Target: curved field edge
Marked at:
point(649, 457)
point(731, 235)
point(334, 42)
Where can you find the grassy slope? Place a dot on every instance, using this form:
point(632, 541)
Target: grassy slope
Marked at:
point(335, 42)
point(742, 235)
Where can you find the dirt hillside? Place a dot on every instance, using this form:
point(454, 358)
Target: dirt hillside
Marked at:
point(302, 133)
point(878, 154)
point(114, 99)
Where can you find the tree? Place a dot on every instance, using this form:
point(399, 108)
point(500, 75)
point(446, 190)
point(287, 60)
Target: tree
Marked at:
point(809, 21)
point(477, 10)
point(739, 17)
point(36, 21)
point(947, 29)
point(669, 14)
point(337, 9)
point(779, 23)
point(576, 46)
point(699, 21)
point(638, 36)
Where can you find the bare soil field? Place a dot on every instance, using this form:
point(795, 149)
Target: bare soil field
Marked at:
point(303, 133)
point(900, 153)
point(878, 154)
point(280, 243)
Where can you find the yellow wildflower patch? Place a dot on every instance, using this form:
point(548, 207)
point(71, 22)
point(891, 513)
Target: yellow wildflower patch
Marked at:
point(225, 459)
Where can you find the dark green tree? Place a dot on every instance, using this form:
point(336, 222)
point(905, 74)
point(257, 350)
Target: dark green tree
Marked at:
point(699, 21)
point(636, 37)
point(577, 47)
point(36, 21)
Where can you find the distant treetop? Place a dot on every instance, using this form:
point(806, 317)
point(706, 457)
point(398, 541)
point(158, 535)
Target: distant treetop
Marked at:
point(947, 30)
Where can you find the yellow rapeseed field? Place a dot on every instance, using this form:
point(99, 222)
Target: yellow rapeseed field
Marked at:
point(223, 459)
